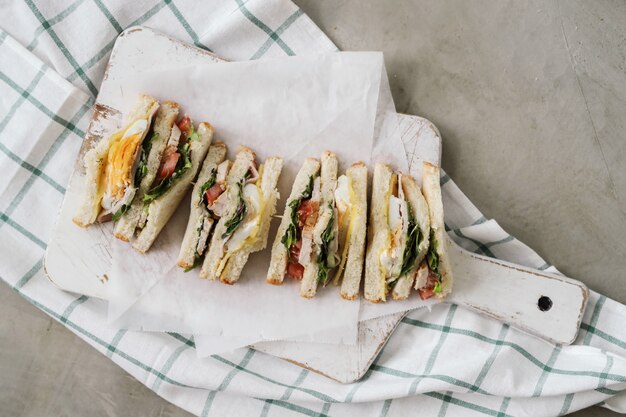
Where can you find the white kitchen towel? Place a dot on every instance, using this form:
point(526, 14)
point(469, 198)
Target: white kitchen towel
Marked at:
point(448, 361)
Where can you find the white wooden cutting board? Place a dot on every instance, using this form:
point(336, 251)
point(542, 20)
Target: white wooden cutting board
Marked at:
point(507, 292)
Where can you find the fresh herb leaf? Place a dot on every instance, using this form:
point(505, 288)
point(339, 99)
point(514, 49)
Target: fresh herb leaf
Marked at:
point(410, 251)
point(433, 257)
point(183, 164)
point(234, 222)
point(142, 166)
point(308, 191)
point(118, 214)
point(323, 261)
point(209, 183)
point(291, 234)
point(290, 237)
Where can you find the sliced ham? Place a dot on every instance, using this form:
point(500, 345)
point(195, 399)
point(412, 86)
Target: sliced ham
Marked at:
point(254, 173)
point(213, 193)
point(220, 205)
point(306, 250)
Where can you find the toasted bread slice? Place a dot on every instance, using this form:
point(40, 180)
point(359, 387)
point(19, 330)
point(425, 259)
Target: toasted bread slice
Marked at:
point(352, 272)
point(164, 120)
point(95, 161)
point(198, 214)
point(161, 209)
point(432, 194)
point(414, 197)
point(280, 254)
point(375, 283)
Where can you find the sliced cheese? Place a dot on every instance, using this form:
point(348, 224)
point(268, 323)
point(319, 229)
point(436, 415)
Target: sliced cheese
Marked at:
point(345, 200)
point(120, 163)
point(248, 231)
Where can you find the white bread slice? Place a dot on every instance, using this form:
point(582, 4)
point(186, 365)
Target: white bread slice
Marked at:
point(328, 184)
point(215, 252)
point(414, 197)
point(353, 269)
point(432, 193)
point(375, 284)
point(269, 179)
point(95, 162)
point(187, 255)
point(280, 255)
point(161, 209)
point(163, 122)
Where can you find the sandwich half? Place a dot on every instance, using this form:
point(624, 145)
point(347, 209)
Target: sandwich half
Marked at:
point(399, 235)
point(184, 152)
point(111, 167)
point(418, 237)
point(300, 214)
point(211, 183)
point(351, 203)
point(435, 274)
point(147, 168)
point(246, 207)
point(322, 234)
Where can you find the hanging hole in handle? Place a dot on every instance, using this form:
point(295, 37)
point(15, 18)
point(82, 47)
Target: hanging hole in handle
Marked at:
point(544, 303)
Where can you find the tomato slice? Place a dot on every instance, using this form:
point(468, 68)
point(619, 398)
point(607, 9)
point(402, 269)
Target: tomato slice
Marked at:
point(168, 166)
point(427, 291)
point(307, 212)
point(212, 193)
point(185, 125)
point(295, 270)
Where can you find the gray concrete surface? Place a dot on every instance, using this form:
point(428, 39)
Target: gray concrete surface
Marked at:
point(530, 98)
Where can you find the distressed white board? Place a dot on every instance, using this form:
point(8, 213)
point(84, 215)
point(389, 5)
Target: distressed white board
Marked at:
point(78, 262)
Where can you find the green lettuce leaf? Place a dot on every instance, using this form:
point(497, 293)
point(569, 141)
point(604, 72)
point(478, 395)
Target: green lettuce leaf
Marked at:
point(142, 166)
point(118, 214)
point(209, 183)
point(432, 257)
point(409, 257)
point(233, 223)
point(291, 234)
point(183, 164)
point(326, 260)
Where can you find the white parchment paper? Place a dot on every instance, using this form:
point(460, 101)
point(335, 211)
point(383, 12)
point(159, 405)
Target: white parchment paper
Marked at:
point(292, 107)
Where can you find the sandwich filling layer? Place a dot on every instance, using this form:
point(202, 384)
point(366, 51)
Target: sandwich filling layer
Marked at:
point(210, 192)
point(176, 160)
point(399, 256)
point(434, 280)
point(117, 182)
point(345, 201)
point(298, 238)
point(243, 226)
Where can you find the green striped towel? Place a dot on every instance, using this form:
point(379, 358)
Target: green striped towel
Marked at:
point(448, 361)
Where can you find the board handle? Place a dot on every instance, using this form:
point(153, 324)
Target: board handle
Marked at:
point(546, 305)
